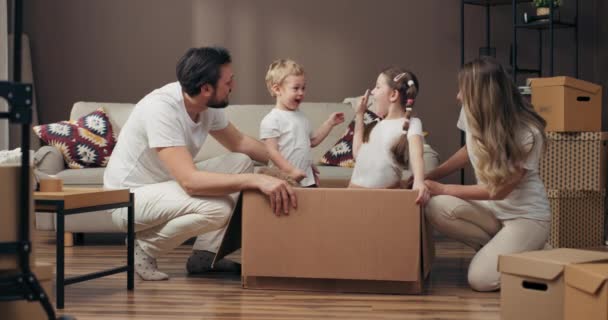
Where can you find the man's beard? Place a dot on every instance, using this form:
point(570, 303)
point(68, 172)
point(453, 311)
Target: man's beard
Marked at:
point(217, 104)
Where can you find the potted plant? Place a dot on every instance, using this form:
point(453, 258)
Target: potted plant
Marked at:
point(542, 6)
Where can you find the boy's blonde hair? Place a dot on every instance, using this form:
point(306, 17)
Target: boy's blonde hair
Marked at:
point(279, 70)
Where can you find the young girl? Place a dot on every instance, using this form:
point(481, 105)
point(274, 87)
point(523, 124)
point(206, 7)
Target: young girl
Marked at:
point(504, 143)
point(382, 149)
point(286, 131)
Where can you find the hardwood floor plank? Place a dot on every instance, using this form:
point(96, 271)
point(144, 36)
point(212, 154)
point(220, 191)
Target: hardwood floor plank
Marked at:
point(446, 296)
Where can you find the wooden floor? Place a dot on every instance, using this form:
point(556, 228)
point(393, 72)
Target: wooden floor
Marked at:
point(447, 295)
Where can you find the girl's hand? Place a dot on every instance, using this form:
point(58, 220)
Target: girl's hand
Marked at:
point(363, 103)
point(297, 175)
point(423, 193)
point(335, 118)
point(435, 188)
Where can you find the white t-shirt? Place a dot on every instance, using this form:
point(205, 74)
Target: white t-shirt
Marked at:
point(158, 120)
point(375, 165)
point(529, 198)
point(293, 132)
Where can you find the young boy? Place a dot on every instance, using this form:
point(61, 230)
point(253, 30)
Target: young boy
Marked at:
point(285, 130)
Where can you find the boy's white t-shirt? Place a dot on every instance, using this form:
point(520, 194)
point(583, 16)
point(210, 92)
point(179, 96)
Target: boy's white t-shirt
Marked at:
point(158, 120)
point(375, 165)
point(529, 198)
point(293, 132)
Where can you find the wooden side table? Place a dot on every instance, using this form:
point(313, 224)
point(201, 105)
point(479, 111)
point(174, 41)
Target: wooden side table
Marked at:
point(81, 201)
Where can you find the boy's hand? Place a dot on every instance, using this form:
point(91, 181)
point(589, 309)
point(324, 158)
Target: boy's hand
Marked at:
point(335, 118)
point(363, 104)
point(297, 175)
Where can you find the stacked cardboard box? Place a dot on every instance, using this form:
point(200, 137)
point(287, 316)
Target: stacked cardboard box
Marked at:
point(573, 167)
point(10, 176)
point(533, 284)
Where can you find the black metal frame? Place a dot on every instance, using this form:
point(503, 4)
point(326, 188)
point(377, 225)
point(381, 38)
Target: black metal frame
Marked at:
point(23, 285)
point(550, 24)
point(57, 206)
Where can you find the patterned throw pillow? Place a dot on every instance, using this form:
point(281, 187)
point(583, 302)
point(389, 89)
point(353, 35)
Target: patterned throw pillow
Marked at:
point(341, 154)
point(85, 143)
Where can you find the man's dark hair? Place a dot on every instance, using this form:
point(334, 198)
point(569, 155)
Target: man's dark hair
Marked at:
point(201, 66)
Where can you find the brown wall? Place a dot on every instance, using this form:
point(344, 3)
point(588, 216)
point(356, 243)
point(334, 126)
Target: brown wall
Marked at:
point(115, 50)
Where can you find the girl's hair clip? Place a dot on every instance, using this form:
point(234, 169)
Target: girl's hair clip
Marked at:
point(399, 77)
point(404, 132)
point(408, 109)
point(410, 83)
point(409, 102)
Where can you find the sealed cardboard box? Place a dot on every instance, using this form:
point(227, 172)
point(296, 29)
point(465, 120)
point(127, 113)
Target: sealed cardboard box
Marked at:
point(532, 283)
point(23, 309)
point(578, 218)
point(575, 161)
point(586, 295)
point(338, 240)
point(10, 176)
point(568, 104)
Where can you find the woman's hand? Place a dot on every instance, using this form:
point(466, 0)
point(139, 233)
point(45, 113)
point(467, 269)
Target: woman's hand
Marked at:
point(363, 103)
point(435, 188)
point(423, 193)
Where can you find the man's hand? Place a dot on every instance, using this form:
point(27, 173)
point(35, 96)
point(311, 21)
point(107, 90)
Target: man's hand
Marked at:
point(281, 195)
point(335, 119)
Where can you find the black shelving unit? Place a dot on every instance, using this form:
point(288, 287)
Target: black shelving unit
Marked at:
point(551, 24)
point(23, 285)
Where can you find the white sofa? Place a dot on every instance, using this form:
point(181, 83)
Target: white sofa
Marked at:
point(245, 117)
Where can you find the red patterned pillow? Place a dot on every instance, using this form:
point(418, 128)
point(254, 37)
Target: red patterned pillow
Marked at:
point(85, 143)
point(341, 154)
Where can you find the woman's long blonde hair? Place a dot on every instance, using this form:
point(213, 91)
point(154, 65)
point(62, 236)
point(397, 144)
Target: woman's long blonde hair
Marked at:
point(495, 113)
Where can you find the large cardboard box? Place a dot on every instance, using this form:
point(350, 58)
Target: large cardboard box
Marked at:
point(575, 161)
point(577, 218)
point(10, 177)
point(338, 240)
point(568, 104)
point(532, 283)
point(26, 310)
point(586, 294)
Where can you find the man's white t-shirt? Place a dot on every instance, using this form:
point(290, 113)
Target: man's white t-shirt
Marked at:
point(375, 165)
point(529, 198)
point(293, 132)
point(158, 120)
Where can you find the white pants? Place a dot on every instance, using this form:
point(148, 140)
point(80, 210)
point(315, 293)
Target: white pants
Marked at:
point(476, 226)
point(166, 216)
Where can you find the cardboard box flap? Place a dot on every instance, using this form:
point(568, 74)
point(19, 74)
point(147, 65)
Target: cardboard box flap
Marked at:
point(587, 277)
point(569, 82)
point(546, 264)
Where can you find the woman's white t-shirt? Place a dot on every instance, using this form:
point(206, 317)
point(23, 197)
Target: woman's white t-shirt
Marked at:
point(293, 132)
point(375, 165)
point(529, 198)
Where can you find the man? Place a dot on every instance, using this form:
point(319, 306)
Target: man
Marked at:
point(176, 199)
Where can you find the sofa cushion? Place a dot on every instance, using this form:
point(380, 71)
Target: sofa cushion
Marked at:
point(49, 160)
point(341, 154)
point(85, 143)
point(87, 176)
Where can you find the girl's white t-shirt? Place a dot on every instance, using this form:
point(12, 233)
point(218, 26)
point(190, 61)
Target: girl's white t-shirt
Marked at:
point(529, 198)
point(375, 165)
point(293, 132)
